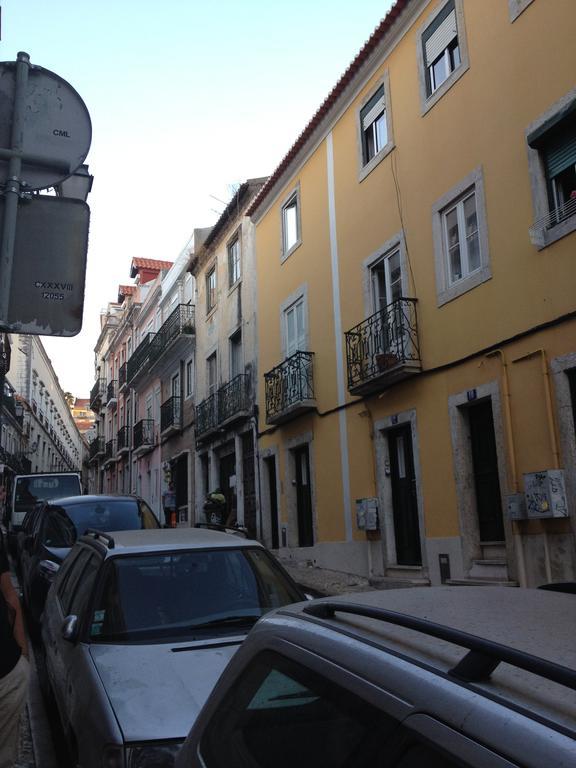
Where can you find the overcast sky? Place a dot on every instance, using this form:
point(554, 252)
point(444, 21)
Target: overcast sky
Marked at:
point(186, 99)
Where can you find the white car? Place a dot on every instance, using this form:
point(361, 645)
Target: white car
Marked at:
point(139, 625)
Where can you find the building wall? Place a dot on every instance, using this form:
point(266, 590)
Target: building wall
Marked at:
point(474, 133)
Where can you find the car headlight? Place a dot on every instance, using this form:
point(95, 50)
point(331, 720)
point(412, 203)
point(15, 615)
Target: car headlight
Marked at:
point(152, 755)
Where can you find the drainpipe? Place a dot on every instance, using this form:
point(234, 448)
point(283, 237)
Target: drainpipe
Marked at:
point(518, 544)
point(551, 431)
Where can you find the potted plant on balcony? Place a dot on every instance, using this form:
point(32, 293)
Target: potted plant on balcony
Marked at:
point(385, 360)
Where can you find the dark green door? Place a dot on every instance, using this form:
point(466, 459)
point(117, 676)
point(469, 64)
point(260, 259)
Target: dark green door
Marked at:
point(303, 497)
point(485, 470)
point(404, 500)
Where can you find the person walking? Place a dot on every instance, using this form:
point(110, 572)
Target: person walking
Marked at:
point(14, 664)
point(169, 504)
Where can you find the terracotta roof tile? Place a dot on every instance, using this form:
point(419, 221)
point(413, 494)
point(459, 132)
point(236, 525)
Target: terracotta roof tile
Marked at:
point(151, 264)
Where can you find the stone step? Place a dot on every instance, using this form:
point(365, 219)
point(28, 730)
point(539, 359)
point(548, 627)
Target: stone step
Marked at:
point(489, 568)
point(481, 583)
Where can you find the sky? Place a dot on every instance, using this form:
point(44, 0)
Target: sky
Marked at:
point(186, 98)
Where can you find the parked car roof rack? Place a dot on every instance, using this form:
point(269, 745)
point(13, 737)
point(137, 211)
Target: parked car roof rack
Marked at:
point(238, 530)
point(483, 656)
point(100, 535)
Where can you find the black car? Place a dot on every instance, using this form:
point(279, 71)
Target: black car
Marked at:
point(52, 528)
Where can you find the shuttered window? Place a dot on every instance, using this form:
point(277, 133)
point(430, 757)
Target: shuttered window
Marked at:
point(441, 48)
point(373, 125)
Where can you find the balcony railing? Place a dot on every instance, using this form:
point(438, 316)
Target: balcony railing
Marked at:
point(97, 393)
point(207, 415)
point(143, 436)
point(171, 415)
point(96, 448)
point(110, 452)
point(556, 216)
point(112, 392)
point(144, 353)
point(384, 348)
point(122, 381)
point(180, 321)
point(289, 388)
point(123, 440)
point(234, 399)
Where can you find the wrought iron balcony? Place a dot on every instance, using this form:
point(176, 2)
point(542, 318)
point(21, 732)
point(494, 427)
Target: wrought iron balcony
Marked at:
point(123, 440)
point(96, 449)
point(144, 354)
point(97, 393)
point(234, 399)
point(289, 388)
point(144, 437)
point(179, 323)
point(171, 416)
point(207, 416)
point(112, 393)
point(122, 381)
point(109, 453)
point(383, 349)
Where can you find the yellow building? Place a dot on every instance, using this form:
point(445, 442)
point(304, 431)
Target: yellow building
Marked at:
point(416, 263)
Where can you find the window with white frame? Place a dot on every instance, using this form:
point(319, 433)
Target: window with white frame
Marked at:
point(233, 262)
point(211, 289)
point(190, 377)
point(443, 52)
point(552, 165)
point(295, 328)
point(373, 126)
point(290, 223)
point(461, 238)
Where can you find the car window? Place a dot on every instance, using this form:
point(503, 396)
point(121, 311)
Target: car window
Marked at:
point(282, 714)
point(149, 519)
point(58, 530)
point(107, 515)
point(65, 573)
point(84, 584)
point(67, 590)
point(186, 594)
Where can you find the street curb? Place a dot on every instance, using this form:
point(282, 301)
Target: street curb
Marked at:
point(44, 755)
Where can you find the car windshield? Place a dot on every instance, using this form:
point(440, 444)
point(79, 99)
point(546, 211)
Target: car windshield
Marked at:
point(65, 524)
point(187, 595)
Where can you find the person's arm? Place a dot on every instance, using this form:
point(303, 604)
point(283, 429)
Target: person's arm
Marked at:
point(13, 603)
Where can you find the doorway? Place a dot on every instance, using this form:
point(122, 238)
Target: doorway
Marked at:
point(485, 472)
point(303, 497)
point(270, 464)
point(228, 485)
point(249, 484)
point(404, 498)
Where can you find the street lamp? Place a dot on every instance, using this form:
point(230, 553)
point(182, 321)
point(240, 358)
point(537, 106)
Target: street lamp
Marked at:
point(77, 186)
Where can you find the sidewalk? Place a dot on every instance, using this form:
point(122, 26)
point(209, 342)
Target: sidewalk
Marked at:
point(323, 582)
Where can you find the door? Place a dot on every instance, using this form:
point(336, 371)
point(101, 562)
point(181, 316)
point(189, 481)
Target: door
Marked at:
point(404, 499)
point(227, 472)
point(270, 465)
point(303, 497)
point(294, 328)
point(386, 280)
point(485, 471)
point(249, 484)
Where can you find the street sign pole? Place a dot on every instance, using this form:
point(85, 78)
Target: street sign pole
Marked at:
point(12, 191)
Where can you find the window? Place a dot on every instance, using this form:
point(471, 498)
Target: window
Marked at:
point(295, 328)
point(236, 365)
point(290, 224)
point(280, 713)
point(189, 378)
point(211, 290)
point(233, 262)
point(442, 53)
point(461, 239)
point(373, 126)
point(211, 374)
point(552, 165)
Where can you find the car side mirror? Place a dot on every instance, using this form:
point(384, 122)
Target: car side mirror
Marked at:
point(48, 569)
point(70, 628)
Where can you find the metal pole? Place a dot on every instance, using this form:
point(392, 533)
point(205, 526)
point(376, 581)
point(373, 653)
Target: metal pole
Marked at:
point(12, 191)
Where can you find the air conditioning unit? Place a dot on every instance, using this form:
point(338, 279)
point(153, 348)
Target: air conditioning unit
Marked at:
point(545, 494)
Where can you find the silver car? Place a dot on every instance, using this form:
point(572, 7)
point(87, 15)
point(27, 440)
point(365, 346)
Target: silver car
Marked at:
point(137, 628)
point(441, 677)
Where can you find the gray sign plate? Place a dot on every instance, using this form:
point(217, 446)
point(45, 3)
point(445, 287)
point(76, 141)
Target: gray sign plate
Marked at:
point(57, 126)
point(47, 288)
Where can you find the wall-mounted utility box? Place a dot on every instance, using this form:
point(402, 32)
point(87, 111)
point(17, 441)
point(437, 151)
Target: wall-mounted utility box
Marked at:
point(367, 514)
point(516, 506)
point(545, 494)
